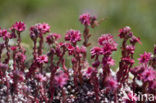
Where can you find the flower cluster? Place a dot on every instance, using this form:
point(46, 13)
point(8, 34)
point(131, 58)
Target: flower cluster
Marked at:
point(42, 59)
point(61, 79)
point(144, 58)
point(51, 38)
point(128, 48)
point(19, 26)
point(108, 44)
point(85, 19)
point(47, 79)
point(73, 36)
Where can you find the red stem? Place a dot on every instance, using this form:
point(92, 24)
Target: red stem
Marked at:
point(64, 96)
point(34, 52)
point(19, 40)
point(8, 51)
point(86, 36)
point(40, 45)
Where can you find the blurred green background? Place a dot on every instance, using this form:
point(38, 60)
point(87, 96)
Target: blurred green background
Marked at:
point(63, 15)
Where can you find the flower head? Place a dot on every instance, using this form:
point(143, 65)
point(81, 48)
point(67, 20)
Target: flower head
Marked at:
point(43, 28)
point(34, 32)
point(13, 33)
point(135, 40)
point(96, 63)
point(108, 43)
point(73, 36)
point(149, 74)
point(61, 79)
point(20, 57)
point(42, 59)
point(112, 83)
point(138, 70)
point(19, 26)
point(5, 34)
point(96, 51)
point(13, 48)
point(38, 30)
point(40, 77)
point(89, 71)
point(144, 58)
point(125, 32)
point(85, 19)
point(108, 60)
point(128, 60)
point(130, 49)
point(77, 49)
point(52, 38)
point(83, 49)
point(70, 48)
point(18, 75)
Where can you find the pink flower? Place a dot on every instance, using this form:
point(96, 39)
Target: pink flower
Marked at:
point(96, 51)
point(56, 36)
point(42, 59)
point(144, 58)
point(125, 29)
point(52, 37)
point(74, 60)
point(83, 49)
point(43, 28)
point(70, 48)
point(85, 19)
point(19, 26)
point(89, 71)
point(134, 40)
point(73, 36)
point(138, 70)
point(78, 49)
point(112, 83)
point(130, 49)
point(111, 61)
point(13, 48)
point(34, 32)
point(108, 43)
point(96, 63)
point(13, 33)
point(58, 51)
point(149, 74)
point(40, 77)
point(20, 57)
point(38, 30)
point(18, 75)
point(128, 60)
point(62, 44)
point(61, 79)
point(108, 60)
point(124, 32)
point(5, 34)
